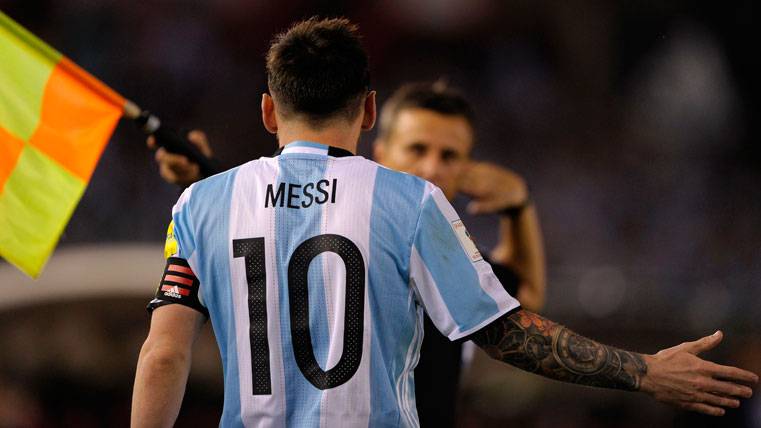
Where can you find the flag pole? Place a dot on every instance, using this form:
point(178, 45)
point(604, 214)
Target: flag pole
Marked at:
point(169, 138)
point(149, 123)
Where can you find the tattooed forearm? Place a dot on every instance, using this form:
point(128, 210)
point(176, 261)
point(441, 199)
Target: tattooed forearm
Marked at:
point(536, 344)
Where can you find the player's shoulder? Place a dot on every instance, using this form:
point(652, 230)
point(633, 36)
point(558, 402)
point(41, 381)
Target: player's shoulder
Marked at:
point(386, 173)
point(362, 165)
point(215, 185)
point(227, 178)
point(402, 185)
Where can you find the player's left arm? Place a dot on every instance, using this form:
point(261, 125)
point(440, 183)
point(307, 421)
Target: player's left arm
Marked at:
point(498, 190)
point(675, 375)
point(163, 366)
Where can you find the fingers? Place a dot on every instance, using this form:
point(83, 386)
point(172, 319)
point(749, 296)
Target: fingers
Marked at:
point(169, 175)
point(728, 389)
point(718, 400)
point(472, 182)
point(199, 139)
point(476, 176)
point(184, 177)
point(703, 408)
point(171, 160)
point(176, 169)
point(474, 207)
point(704, 344)
point(493, 188)
point(711, 396)
point(731, 373)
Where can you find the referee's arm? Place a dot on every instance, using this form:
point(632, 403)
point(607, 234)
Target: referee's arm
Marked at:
point(163, 366)
point(498, 190)
point(520, 248)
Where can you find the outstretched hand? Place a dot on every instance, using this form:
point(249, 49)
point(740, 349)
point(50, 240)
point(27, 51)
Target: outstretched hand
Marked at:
point(178, 169)
point(678, 377)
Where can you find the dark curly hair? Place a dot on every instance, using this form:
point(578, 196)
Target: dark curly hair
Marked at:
point(319, 70)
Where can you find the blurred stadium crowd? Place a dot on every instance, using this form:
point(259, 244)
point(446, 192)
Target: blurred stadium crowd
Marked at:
point(632, 121)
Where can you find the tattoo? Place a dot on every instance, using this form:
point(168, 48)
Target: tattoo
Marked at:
point(538, 345)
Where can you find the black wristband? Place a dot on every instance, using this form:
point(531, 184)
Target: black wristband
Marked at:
point(515, 210)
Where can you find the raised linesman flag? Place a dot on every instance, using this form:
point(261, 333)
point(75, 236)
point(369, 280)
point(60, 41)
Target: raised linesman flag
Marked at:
point(55, 120)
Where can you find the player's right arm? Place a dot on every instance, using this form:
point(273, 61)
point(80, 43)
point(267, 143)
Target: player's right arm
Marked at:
point(163, 366)
point(675, 375)
point(458, 291)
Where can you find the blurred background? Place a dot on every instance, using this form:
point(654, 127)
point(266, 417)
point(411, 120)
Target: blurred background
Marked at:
point(634, 123)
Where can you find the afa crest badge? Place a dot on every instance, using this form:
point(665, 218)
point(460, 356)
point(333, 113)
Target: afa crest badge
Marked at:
point(170, 246)
point(466, 241)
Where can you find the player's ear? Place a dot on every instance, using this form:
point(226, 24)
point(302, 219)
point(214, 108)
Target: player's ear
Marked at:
point(268, 114)
point(369, 112)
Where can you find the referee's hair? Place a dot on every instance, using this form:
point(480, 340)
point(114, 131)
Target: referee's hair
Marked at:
point(318, 70)
point(436, 96)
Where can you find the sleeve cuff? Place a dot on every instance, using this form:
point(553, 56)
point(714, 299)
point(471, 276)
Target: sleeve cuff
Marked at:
point(470, 335)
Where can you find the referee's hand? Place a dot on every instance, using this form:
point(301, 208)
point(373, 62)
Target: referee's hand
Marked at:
point(493, 188)
point(178, 169)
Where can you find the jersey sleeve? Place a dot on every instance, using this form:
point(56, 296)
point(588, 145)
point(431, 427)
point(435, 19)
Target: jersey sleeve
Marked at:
point(506, 275)
point(179, 284)
point(457, 288)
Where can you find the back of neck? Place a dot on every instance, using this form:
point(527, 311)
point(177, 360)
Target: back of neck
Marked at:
point(342, 138)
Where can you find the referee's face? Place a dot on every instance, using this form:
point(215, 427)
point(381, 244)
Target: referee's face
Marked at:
point(430, 145)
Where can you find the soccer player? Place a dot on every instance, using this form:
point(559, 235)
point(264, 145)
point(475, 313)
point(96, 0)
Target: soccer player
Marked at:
point(315, 267)
point(426, 129)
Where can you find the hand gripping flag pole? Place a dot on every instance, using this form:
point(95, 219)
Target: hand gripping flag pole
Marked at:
point(55, 120)
point(169, 138)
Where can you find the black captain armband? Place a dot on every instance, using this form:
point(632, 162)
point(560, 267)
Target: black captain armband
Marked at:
point(178, 285)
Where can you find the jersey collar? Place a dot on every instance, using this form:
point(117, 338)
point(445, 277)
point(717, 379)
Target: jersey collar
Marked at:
point(312, 148)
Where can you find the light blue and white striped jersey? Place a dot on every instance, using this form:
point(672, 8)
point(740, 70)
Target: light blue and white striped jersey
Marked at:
point(315, 269)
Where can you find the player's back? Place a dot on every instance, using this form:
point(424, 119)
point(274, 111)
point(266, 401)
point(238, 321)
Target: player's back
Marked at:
point(311, 265)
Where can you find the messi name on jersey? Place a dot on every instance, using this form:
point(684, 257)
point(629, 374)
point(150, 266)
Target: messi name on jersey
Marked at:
point(292, 195)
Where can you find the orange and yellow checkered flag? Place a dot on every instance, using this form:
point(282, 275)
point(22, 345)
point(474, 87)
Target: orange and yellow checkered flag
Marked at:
point(55, 120)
